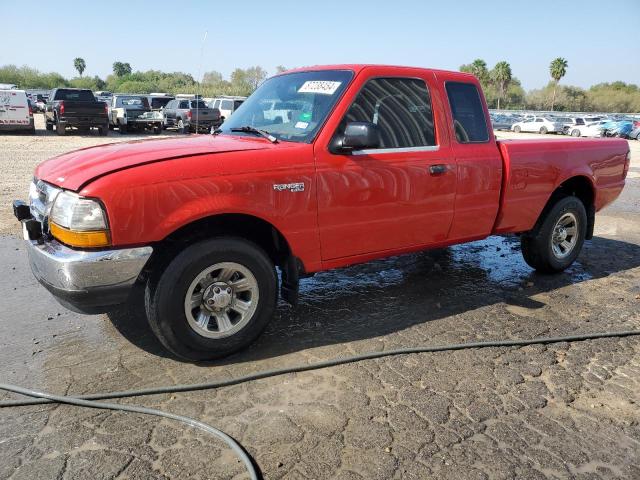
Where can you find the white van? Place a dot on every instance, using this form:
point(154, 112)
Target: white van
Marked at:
point(226, 105)
point(15, 111)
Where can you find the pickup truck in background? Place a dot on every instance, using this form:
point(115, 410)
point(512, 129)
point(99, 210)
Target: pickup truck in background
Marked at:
point(373, 161)
point(132, 112)
point(191, 115)
point(77, 108)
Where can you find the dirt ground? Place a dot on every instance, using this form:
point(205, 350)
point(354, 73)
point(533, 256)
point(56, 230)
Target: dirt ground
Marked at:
point(558, 411)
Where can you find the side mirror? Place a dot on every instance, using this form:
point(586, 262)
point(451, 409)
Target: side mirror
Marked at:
point(360, 135)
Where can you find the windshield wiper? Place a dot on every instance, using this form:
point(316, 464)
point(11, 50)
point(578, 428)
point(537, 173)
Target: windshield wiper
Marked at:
point(257, 131)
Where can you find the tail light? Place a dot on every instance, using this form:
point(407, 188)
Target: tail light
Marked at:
point(189, 114)
point(30, 110)
point(106, 109)
point(61, 108)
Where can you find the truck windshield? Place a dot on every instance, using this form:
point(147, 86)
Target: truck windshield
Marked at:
point(291, 107)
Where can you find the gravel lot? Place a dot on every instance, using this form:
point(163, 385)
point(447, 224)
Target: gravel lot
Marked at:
point(558, 411)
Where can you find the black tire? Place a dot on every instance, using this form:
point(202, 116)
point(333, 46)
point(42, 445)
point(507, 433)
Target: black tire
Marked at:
point(61, 128)
point(165, 295)
point(104, 130)
point(517, 129)
point(575, 132)
point(48, 126)
point(157, 129)
point(182, 127)
point(536, 245)
point(122, 128)
point(543, 130)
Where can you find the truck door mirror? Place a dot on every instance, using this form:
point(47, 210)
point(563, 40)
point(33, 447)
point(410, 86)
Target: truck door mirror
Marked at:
point(359, 136)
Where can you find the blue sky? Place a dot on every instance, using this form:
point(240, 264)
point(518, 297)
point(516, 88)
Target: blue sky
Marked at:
point(595, 36)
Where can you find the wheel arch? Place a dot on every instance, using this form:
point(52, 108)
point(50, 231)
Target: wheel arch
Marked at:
point(580, 186)
point(240, 225)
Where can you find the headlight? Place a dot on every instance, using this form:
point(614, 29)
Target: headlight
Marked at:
point(78, 221)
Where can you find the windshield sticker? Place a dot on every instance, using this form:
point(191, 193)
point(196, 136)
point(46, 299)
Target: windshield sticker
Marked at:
point(305, 117)
point(302, 125)
point(319, 86)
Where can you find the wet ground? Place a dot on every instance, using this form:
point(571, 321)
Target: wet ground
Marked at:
point(558, 411)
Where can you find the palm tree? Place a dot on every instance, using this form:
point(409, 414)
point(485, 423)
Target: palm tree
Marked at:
point(558, 69)
point(479, 69)
point(501, 75)
point(79, 64)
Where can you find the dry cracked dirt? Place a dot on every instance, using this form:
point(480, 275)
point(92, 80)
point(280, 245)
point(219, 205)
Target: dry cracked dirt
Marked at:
point(567, 410)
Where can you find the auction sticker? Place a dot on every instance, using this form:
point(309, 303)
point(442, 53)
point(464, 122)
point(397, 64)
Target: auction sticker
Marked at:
point(319, 86)
point(302, 125)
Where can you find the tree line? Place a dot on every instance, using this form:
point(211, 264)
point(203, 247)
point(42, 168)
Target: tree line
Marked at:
point(502, 89)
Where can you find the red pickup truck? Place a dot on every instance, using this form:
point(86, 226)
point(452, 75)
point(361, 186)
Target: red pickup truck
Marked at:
point(320, 168)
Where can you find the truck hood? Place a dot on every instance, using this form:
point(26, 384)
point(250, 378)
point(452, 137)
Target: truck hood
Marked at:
point(75, 169)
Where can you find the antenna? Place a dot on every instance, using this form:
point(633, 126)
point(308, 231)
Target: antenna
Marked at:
point(198, 88)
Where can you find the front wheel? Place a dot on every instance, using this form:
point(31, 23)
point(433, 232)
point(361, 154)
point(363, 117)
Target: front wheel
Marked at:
point(517, 129)
point(543, 130)
point(575, 132)
point(556, 242)
point(213, 299)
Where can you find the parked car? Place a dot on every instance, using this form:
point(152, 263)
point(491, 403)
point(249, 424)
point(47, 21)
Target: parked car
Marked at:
point(103, 96)
point(537, 124)
point(591, 129)
point(501, 122)
point(620, 129)
point(159, 101)
point(635, 134)
point(39, 103)
point(227, 105)
point(77, 108)
point(573, 124)
point(191, 115)
point(16, 112)
point(132, 112)
point(341, 184)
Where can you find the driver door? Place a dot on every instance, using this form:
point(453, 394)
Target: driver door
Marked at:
point(398, 195)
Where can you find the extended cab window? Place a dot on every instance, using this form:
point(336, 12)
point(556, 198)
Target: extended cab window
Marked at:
point(469, 123)
point(400, 107)
point(184, 104)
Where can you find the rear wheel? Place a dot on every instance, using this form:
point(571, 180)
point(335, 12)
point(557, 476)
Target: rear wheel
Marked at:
point(543, 130)
point(61, 127)
point(517, 129)
point(213, 299)
point(104, 130)
point(48, 126)
point(122, 128)
point(557, 240)
point(181, 127)
point(157, 129)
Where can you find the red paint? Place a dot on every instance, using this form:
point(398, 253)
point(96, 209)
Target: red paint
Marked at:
point(353, 208)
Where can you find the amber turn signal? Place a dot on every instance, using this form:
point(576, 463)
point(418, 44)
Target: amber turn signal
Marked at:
point(91, 239)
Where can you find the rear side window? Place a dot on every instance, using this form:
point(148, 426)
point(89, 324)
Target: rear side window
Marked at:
point(226, 105)
point(198, 104)
point(400, 107)
point(184, 104)
point(469, 122)
point(79, 95)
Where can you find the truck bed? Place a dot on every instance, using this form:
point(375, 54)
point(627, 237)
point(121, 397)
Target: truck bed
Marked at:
point(533, 169)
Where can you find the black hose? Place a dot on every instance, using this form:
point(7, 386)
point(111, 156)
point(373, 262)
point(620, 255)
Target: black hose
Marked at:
point(88, 400)
point(235, 446)
point(325, 364)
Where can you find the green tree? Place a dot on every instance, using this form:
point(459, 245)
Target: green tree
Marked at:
point(501, 76)
point(79, 64)
point(478, 68)
point(281, 68)
point(558, 69)
point(121, 69)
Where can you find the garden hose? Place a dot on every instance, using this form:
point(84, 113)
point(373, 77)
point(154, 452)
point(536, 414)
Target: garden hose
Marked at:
point(89, 400)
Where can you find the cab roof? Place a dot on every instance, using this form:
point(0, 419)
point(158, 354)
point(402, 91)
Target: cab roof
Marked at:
point(358, 67)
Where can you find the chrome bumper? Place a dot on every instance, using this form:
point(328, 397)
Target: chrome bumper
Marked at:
point(86, 281)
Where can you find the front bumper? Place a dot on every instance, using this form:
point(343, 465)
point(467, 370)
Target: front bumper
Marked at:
point(85, 281)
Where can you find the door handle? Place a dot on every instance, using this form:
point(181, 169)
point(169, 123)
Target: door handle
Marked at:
point(438, 169)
